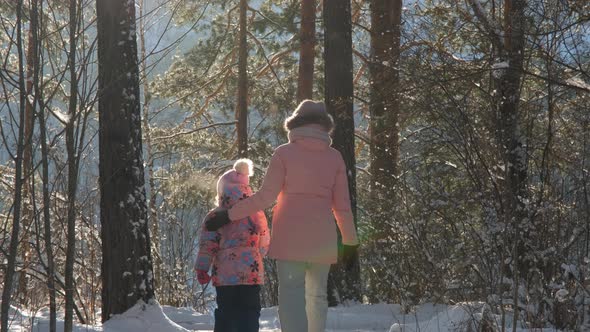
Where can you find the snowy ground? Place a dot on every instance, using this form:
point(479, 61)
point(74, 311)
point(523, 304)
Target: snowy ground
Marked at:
point(364, 318)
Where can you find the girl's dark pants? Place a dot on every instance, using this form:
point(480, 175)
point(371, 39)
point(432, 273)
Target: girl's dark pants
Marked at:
point(238, 308)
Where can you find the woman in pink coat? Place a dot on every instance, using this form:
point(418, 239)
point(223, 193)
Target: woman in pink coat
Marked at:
point(308, 179)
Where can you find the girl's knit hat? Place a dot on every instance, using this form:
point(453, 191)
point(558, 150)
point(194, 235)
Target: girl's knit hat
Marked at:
point(310, 112)
point(240, 174)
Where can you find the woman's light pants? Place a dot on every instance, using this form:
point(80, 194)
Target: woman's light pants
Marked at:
point(303, 296)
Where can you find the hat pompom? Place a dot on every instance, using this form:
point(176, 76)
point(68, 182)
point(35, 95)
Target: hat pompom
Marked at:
point(244, 166)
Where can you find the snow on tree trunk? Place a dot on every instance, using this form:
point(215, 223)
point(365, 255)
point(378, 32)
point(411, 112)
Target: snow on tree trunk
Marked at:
point(127, 264)
point(384, 108)
point(385, 99)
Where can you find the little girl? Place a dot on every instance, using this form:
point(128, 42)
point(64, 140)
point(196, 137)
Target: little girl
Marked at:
point(235, 253)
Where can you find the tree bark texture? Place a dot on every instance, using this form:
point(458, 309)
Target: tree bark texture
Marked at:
point(512, 141)
point(27, 207)
point(384, 105)
point(509, 98)
point(384, 108)
point(339, 102)
point(127, 264)
point(72, 171)
point(152, 200)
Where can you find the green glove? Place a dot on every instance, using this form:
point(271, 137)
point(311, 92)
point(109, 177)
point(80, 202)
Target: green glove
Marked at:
point(349, 256)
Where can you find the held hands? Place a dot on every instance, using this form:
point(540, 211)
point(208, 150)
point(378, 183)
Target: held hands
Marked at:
point(203, 277)
point(216, 219)
point(349, 256)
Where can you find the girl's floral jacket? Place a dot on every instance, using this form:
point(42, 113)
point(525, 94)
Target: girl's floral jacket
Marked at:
point(235, 251)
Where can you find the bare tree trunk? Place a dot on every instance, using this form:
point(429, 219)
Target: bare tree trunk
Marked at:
point(339, 102)
point(242, 104)
point(507, 80)
point(27, 208)
point(385, 98)
point(127, 263)
point(307, 50)
point(18, 179)
point(385, 111)
point(50, 265)
point(152, 209)
point(47, 219)
point(72, 171)
point(512, 141)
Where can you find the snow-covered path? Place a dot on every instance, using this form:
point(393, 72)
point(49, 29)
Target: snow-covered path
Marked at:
point(358, 318)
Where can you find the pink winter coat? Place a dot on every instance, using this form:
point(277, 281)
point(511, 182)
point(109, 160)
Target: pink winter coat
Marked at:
point(235, 251)
point(309, 179)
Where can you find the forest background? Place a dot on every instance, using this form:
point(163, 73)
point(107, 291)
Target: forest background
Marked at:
point(464, 126)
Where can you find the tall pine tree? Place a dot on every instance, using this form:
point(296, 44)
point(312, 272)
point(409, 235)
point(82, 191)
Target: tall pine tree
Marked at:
point(339, 102)
point(384, 108)
point(127, 264)
point(306, 51)
point(385, 99)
